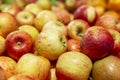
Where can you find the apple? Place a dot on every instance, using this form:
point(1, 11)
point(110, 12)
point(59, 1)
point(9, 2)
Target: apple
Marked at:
point(22, 77)
point(33, 8)
point(56, 25)
point(53, 75)
point(2, 45)
point(2, 74)
point(100, 10)
point(87, 13)
point(107, 68)
point(51, 44)
point(43, 17)
point(12, 9)
point(65, 19)
point(18, 43)
point(35, 66)
point(73, 65)
point(30, 30)
point(25, 18)
point(73, 45)
point(8, 65)
point(116, 36)
point(96, 42)
point(8, 23)
point(108, 22)
point(76, 28)
point(44, 4)
point(21, 3)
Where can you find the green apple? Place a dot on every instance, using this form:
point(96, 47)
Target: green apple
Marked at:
point(30, 30)
point(51, 44)
point(35, 66)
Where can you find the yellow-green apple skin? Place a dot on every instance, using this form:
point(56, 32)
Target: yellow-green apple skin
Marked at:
point(30, 30)
point(53, 75)
point(107, 68)
point(43, 17)
point(35, 66)
point(8, 23)
point(56, 25)
point(73, 65)
point(2, 45)
point(8, 65)
point(51, 44)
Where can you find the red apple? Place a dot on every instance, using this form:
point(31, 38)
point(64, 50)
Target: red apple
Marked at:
point(12, 9)
point(18, 43)
point(87, 13)
point(116, 36)
point(22, 77)
point(2, 74)
point(73, 65)
point(8, 23)
point(8, 65)
point(73, 45)
point(96, 42)
point(25, 18)
point(109, 22)
point(76, 28)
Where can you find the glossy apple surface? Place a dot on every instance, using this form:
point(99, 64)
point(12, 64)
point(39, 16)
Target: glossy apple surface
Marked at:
point(18, 43)
point(96, 42)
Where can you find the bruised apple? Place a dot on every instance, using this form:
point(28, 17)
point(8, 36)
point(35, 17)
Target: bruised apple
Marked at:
point(73, 65)
point(96, 42)
point(18, 43)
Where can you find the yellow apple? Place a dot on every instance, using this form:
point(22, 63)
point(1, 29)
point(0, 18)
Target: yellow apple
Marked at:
point(2, 45)
point(30, 30)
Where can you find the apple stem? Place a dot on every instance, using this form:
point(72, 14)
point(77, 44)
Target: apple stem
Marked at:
point(18, 43)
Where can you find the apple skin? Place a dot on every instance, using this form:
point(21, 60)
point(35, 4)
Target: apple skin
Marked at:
point(22, 77)
point(116, 36)
point(96, 45)
point(2, 74)
point(73, 45)
point(51, 44)
point(18, 43)
point(87, 13)
point(8, 65)
point(107, 68)
point(43, 17)
point(76, 28)
point(35, 66)
point(8, 24)
point(73, 65)
point(2, 45)
point(53, 75)
point(30, 30)
point(108, 22)
point(57, 25)
point(25, 18)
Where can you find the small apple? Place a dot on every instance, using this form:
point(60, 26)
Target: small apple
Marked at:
point(76, 28)
point(43, 17)
point(2, 45)
point(56, 25)
point(107, 68)
point(25, 18)
point(21, 3)
point(22, 77)
point(18, 43)
point(65, 19)
point(96, 42)
point(116, 36)
point(35, 66)
point(33, 8)
point(12, 9)
point(8, 23)
point(87, 13)
point(73, 45)
point(73, 65)
point(2, 74)
point(8, 65)
point(109, 22)
point(30, 30)
point(51, 44)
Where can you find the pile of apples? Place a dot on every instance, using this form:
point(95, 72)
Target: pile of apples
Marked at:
point(59, 40)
